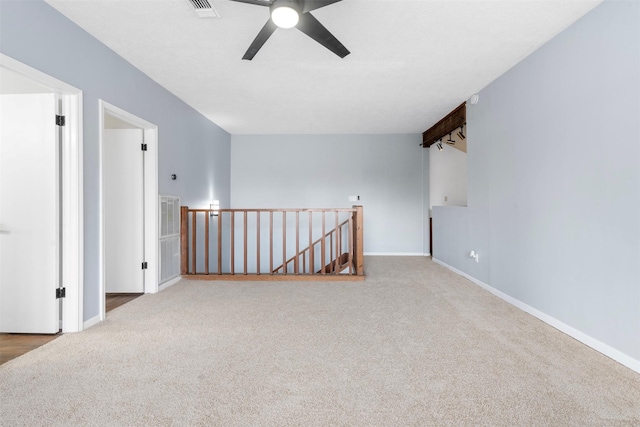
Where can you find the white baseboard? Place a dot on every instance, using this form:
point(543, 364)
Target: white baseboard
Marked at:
point(395, 254)
point(91, 322)
point(595, 344)
point(168, 283)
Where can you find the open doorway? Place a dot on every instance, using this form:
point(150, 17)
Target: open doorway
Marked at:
point(129, 206)
point(447, 175)
point(447, 145)
point(448, 172)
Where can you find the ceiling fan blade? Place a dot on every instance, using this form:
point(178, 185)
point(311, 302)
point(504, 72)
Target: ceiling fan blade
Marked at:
point(256, 2)
point(260, 39)
point(309, 5)
point(309, 25)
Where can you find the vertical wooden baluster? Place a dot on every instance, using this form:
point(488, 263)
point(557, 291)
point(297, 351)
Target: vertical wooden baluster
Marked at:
point(331, 258)
point(337, 262)
point(322, 245)
point(296, 260)
point(350, 237)
point(258, 242)
point(193, 242)
point(338, 257)
point(245, 242)
point(220, 216)
point(284, 242)
point(304, 262)
point(359, 241)
point(184, 240)
point(207, 220)
point(340, 244)
point(233, 242)
point(311, 266)
point(270, 242)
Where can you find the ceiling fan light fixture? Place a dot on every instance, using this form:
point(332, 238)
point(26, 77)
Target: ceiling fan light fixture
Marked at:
point(285, 16)
point(294, 13)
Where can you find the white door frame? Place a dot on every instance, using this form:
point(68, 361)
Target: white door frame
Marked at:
point(72, 191)
point(150, 199)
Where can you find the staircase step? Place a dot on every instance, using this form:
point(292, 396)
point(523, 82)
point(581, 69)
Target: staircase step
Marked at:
point(343, 263)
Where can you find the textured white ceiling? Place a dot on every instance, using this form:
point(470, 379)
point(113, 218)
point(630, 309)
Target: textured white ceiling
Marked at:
point(411, 61)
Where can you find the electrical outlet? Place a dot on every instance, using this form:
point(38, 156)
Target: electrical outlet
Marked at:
point(354, 198)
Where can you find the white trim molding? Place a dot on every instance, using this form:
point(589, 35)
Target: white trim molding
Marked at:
point(72, 191)
point(395, 254)
point(92, 322)
point(587, 340)
point(169, 283)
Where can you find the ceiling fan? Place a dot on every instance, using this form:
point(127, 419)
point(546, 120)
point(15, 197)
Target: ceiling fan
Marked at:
point(295, 13)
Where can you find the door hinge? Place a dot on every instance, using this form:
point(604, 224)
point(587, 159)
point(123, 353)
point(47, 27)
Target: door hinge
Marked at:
point(61, 293)
point(144, 265)
point(59, 120)
point(144, 147)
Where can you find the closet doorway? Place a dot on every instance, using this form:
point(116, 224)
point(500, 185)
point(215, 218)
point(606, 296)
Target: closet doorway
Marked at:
point(129, 196)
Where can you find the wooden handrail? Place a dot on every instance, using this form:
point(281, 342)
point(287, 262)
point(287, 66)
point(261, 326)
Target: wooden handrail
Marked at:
point(293, 210)
point(212, 250)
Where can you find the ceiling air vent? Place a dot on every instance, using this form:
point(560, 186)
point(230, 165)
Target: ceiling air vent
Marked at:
point(204, 9)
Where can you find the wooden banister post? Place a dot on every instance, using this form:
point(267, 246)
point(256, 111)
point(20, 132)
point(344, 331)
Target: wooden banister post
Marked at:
point(358, 234)
point(184, 240)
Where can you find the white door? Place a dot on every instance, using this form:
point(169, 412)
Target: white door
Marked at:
point(123, 175)
point(29, 214)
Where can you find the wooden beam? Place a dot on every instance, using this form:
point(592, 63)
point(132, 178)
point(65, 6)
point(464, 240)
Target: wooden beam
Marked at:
point(448, 124)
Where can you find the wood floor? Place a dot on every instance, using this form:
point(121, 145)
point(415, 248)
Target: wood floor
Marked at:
point(14, 345)
point(116, 300)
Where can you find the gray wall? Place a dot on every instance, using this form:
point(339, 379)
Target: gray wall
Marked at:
point(322, 171)
point(554, 181)
point(190, 146)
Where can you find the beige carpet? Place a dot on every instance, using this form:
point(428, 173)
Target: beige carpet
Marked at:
point(413, 345)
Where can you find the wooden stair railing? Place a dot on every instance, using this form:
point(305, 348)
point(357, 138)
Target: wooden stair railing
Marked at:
point(241, 242)
point(338, 248)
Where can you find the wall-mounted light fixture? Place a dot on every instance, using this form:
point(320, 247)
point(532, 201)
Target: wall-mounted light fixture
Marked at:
point(439, 145)
point(461, 132)
point(450, 141)
point(214, 208)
